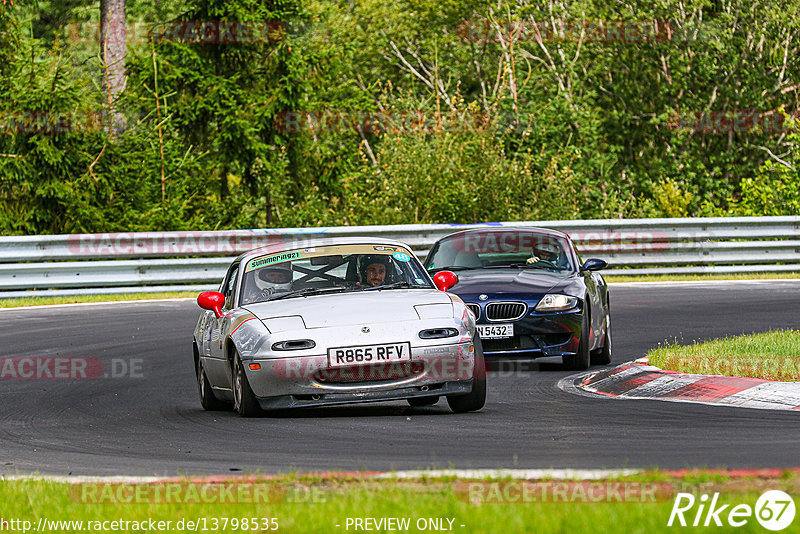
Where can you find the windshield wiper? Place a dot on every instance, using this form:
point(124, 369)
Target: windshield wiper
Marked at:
point(453, 268)
point(534, 265)
point(396, 285)
point(506, 265)
point(308, 291)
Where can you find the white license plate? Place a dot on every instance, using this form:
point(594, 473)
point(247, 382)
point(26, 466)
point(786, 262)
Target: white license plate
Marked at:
point(369, 354)
point(495, 331)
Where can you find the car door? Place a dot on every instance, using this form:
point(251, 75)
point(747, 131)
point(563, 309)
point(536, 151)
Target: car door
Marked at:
point(592, 282)
point(592, 304)
point(217, 366)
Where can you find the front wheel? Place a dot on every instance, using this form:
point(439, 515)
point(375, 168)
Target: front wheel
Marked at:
point(581, 360)
point(603, 355)
point(207, 398)
point(476, 399)
point(244, 400)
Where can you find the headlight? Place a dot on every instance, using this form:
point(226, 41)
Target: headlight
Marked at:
point(555, 302)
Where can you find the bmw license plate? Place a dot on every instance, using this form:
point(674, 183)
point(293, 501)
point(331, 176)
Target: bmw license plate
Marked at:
point(495, 331)
point(369, 354)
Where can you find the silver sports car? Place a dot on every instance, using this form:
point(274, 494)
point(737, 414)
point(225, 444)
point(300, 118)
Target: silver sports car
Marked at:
point(335, 321)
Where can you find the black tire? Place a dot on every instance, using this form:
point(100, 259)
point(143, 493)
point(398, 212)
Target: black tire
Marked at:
point(602, 356)
point(244, 400)
point(417, 402)
point(581, 360)
point(474, 400)
point(208, 400)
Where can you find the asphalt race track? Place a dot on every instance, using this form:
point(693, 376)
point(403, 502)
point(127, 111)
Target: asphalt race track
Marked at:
point(151, 423)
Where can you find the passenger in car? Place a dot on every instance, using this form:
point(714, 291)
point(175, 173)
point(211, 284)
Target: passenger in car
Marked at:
point(374, 270)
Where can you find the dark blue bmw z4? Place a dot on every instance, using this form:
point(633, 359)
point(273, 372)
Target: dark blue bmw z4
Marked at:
point(530, 292)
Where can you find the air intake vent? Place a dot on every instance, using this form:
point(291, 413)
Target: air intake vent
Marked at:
point(295, 344)
point(505, 311)
point(475, 309)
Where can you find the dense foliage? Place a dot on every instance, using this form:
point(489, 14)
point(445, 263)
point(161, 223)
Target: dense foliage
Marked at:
point(368, 112)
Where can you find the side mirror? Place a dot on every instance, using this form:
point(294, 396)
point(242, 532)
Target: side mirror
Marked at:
point(211, 300)
point(444, 280)
point(594, 264)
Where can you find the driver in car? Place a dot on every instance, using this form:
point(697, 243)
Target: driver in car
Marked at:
point(271, 280)
point(545, 251)
point(373, 272)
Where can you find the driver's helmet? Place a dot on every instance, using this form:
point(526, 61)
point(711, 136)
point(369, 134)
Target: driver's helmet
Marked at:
point(381, 259)
point(547, 251)
point(274, 279)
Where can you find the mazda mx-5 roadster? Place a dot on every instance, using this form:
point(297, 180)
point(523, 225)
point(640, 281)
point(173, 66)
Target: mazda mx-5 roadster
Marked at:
point(530, 292)
point(335, 321)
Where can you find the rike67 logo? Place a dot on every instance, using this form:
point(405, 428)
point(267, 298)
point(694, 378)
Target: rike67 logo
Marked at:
point(774, 510)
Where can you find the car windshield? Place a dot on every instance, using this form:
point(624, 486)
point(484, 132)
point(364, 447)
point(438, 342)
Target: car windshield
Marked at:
point(331, 269)
point(499, 249)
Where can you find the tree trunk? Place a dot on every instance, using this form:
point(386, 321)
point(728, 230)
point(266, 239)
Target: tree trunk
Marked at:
point(113, 47)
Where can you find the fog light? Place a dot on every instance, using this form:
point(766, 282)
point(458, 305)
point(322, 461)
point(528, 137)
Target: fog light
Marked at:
point(255, 366)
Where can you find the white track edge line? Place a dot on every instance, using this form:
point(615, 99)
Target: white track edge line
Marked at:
point(483, 474)
point(106, 303)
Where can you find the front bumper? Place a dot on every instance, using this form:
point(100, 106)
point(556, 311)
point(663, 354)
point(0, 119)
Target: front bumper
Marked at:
point(308, 381)
point(538, 335)
point(281, 402)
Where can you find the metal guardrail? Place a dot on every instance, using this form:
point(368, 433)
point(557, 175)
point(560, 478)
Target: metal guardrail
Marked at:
point(166, 261)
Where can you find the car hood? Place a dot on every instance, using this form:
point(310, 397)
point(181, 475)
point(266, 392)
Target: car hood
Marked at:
point(513, 281)
point(342, 309)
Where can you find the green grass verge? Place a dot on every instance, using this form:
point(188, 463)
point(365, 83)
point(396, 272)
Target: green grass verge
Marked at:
point(772, 355)
point(302, 506)
point(44, 301)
